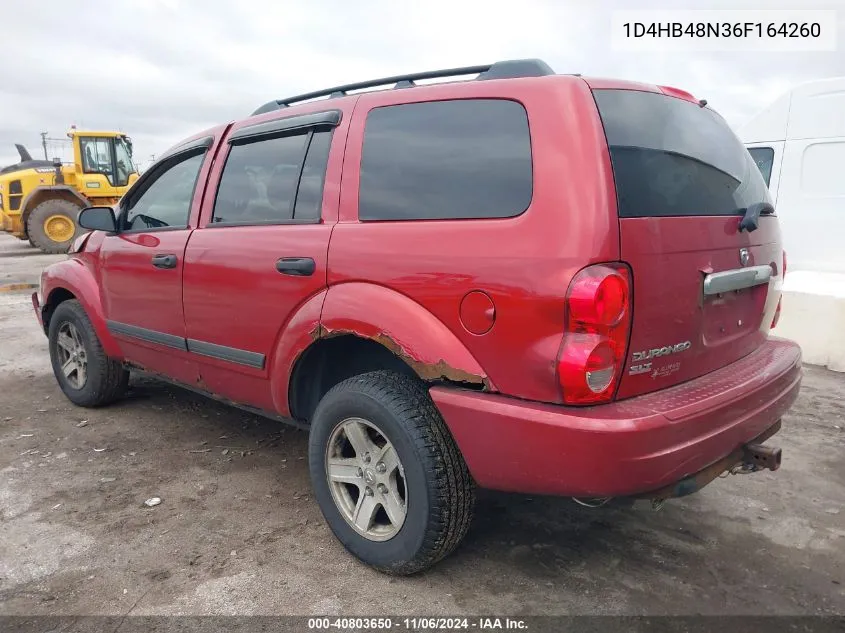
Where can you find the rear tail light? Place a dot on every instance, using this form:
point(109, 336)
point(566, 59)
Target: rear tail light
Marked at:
point(595, 340)
point(783, 272)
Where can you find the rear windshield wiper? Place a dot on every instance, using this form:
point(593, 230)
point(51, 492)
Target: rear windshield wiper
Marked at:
point(752, 215)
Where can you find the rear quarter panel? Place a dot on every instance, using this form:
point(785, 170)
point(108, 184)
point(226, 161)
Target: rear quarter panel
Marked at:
point(524, 263)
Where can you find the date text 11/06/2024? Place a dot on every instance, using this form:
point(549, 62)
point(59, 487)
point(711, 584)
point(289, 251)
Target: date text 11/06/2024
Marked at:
point(416, 624)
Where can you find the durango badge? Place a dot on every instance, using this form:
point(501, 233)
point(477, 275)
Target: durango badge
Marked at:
point(645, 367)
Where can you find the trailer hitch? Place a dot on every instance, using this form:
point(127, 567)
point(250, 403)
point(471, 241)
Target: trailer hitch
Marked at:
point(757, 457)
point(746, 459)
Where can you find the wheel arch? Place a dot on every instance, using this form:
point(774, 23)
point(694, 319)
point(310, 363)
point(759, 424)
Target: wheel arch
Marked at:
point(70, 279)
point(328, 361)
point(342, 335)
point(57, 296)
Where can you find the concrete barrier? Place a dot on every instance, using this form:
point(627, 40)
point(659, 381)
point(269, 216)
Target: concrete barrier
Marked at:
point(813, 315)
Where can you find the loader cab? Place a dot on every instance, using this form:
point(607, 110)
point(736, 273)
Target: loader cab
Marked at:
point(103, 163)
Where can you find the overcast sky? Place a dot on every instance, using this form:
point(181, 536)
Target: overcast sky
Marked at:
point(160, 70)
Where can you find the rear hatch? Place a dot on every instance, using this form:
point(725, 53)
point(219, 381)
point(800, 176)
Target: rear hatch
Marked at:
point(704, 292)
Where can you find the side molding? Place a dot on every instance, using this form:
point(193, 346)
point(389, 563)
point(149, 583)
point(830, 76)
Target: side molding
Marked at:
point(143, 334)
point(203, 348)
point(222, 352)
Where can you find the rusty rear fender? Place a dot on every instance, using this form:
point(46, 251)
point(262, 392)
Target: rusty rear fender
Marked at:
point(404, 327)
point(397, 323)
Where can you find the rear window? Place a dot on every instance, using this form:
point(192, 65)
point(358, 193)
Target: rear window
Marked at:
point(453, 159)
point(672, 157)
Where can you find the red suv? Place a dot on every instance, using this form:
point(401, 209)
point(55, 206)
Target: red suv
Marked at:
point(523, 281)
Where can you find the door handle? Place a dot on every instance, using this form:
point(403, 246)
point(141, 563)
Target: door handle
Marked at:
point(296, 266)
point(164, 261)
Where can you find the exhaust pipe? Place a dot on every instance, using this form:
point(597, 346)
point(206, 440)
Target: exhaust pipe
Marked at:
point(57, 169)
point(759, 457)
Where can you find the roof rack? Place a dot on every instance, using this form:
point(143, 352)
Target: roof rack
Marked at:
point(508, 69)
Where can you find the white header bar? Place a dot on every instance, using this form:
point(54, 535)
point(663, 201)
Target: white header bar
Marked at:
point(728, 30)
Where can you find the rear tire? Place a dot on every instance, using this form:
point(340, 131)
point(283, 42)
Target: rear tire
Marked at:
point(439, 494)
point(85, 374)
point(52, 225)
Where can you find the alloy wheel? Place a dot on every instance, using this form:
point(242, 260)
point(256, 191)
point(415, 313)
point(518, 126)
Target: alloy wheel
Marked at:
point(73, 359)
point(366, 479)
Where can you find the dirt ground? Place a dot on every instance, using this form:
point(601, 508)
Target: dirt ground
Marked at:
point(238, 533)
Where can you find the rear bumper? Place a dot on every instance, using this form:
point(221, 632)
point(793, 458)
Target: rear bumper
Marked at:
point(631, 447)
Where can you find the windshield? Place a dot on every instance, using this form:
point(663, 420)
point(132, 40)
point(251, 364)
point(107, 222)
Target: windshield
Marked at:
point(124, 161)
point(672, 157)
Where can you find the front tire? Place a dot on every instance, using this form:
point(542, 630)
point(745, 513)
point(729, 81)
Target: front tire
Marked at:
point(387, 475)
point(85, 374)
point(52, 225)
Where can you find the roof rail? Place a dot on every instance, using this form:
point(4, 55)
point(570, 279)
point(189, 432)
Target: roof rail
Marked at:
point(508, 69)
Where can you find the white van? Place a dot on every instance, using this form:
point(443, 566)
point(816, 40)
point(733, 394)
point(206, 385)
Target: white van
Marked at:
point(799, 144)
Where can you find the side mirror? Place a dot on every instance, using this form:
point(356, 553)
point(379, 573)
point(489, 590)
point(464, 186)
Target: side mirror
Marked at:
point(97, 219)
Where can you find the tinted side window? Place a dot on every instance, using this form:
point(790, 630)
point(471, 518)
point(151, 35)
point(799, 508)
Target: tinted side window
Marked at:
point(272, 180)
point(309, 198)
point(764, 157)
point(446, 160)
point(167, 201)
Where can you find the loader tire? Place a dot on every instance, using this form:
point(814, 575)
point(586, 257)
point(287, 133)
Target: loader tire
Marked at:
point(52, 225)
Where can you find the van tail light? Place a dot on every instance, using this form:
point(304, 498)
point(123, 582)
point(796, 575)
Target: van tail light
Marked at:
point(595, 339)
point(776, 318)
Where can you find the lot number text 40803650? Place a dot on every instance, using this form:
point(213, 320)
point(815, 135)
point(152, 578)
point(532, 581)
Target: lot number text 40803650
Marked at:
point(417, 624)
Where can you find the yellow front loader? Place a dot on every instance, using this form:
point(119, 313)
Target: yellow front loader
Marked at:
point(40, 199)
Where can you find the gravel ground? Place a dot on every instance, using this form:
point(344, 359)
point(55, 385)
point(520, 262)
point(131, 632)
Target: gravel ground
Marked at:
point(238, 532)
